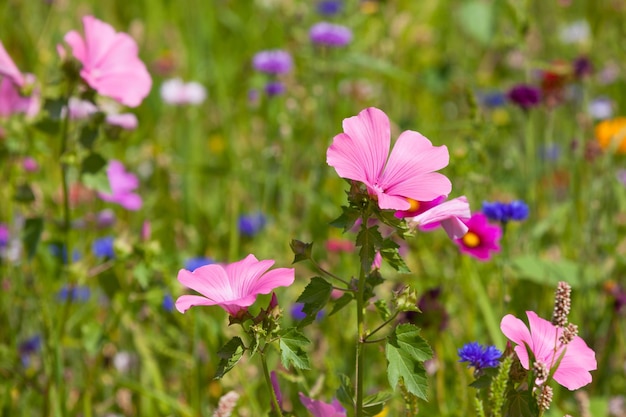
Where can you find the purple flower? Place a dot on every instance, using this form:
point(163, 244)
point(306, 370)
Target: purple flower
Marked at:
point(274, 61)
point(30, 164)
point(479, 356)
point(274, 88)
point(103, 247)
point(192, 264)
point(251, 224)
point(582, 67)
point(4, 235)
point(28, 348)
point(525, 96)
point(105, 218)
point(329, 34)
point(298, 313)
point(329, 7)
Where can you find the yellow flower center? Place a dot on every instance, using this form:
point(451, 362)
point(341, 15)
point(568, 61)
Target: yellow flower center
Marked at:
point(415, 205)
point(471, 240)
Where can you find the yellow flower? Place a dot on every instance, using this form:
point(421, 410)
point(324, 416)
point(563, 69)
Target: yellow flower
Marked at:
point(611, 134)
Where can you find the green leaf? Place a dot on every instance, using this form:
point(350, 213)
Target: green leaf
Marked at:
point(92, 164)
point(49, 126)
point(476, 18)
point(54, 107)
point(88, 136)
point(291, 349)
point(390, 254)
point(521, 404)
point(229, 355)
point(406, 352)
point(383, 310)
point(32, 233)
point(301, 250)
point(547, 272)
point(341, 302)
point(370, 240)
point(347, 219)
point(24, 194)
point(315, 296)
point(345, 392)
point(374, 404)
point(98, 182)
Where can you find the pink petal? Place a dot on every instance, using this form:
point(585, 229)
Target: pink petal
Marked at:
point(544, 338)
point(392, 202)
point(451, 209)
point(573, 370)
point(130, 201)
point(9, 69)
point(185, 302)
point(361, 151)
point(454, 227)
point(126, 121)
point(209, 280)
point(279, 277)
point(516, 330)
point(321, 409)
point(243, 275)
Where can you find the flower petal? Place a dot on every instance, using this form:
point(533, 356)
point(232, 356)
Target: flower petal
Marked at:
point(210, 281)
point(9, 69)
point(545, 337)
point(185, 302)
point(516, 330)
point(573, 370)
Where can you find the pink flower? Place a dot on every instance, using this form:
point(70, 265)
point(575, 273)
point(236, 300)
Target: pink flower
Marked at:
point(361, 153)
point(9, 70)
point(543, 341)
point(12, 82)
point(322, 409)
point(122, 186)
point(127, 121)
point(481, 238)
point(449, 214)
point(176, 92)
point(111, 65)
point(233, 287)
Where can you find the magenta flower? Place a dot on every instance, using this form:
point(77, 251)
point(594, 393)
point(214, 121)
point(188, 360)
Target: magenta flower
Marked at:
point(361, 153)
point(233, 287)
point(543, 342)
point(449, 214)
point(481, 238)
point(322, 409)
point(122, 185)
point(12, 82)
point(111, 65)
point(329, 34)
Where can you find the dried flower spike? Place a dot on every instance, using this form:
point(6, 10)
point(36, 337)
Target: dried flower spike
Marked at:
point(544, 399)
point(226, 405)
point(562, 304)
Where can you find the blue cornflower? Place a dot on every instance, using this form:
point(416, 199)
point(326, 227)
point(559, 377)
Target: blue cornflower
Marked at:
point(479, 356)
point(505, 212)
point(79, 293)
point(28, 348)
point(493, 99)
point(192, 264)
point(103, 247)
point(168, 303)
point(58, 250)
point(298, 314)
point(251, 224)
point(329, 7)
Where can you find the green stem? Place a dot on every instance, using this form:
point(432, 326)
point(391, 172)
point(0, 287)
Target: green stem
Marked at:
point(360, 307)
point(268, 381)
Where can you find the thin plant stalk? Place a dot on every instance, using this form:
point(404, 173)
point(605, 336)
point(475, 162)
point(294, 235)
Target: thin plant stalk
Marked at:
point(268, 381)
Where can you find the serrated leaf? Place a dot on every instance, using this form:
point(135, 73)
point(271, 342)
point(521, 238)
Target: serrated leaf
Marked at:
point(345, 392)
point(291, 349)
point(341, 302)
point(229, 355)
point(348, 217)
point(370, 240)
point(406, 352)
point(390, 254)
point(301, 250)
point(92, 164)
point(315, 297)
point(521, 404)
point(383, 310)
point(32, 233)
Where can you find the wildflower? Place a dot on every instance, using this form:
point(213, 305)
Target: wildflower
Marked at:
point(274, 61)
point(449, 214)
point(525, 96)
point(9, 70)
point(329, 7)
point(274, 88)
point(322, 409)
point(576, 358)
point(13, 85)
point(103, 247)
point(251, 224)
point(226, 404)
point(30, 164)
point(298, 314)
point(481, 238)
point(194, 263)
point(329, 34)
point(600, 108)
point(105, 218)
point(122, 185)
point(4, 235)
point(126, 121)
point(562, 304)
point(505, 212)
point(110, 63)
point(74, 293)
point(612, 131)
point(168, 303)
point(544, 398)
point(177, 92)
point(80, 109)
point(361, 153)
point(493, 99)
point(59, 251)
point(478, 356)
point(233, 287)
point(575, 32)
point(582, 67)
point(28, 348)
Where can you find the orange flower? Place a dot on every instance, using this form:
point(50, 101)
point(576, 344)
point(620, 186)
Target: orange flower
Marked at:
point(613, 130)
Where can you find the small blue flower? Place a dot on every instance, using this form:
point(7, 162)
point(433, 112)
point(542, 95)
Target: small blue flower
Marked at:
point(103, 247)
point(494, 211)
point(28, 348)
point(517, 210)
point(298, 314)
point(59, 251)
point(192, 264)
point(251, 224)
point(504, 212)
point(493, 99)
point(79, 293)
point(168, 303)
point(479, 356)
point(329, 7)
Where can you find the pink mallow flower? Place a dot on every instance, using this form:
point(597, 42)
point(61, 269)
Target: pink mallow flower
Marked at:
point(111, 65)
point(321, 409)
point(447, 214)
point(481, 238)
point(12, 84)
point(122, 185)
point(233, 287)
point(543, 342)
point(9, 70)
point(361, 153)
